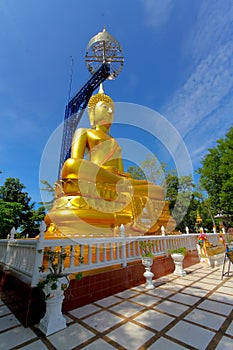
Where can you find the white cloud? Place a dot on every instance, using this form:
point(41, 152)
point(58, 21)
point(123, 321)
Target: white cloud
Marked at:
point(213, 127)
point(210, 82)
point(213, 27)
point(157, 11)
point(200, 106)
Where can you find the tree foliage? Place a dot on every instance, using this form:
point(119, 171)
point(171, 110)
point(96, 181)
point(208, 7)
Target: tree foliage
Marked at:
point(216, 175)
point(183, 199)
point(136, 172)
point(153, 169)
point(9, 216)
point(16, 210)
point(50, 191)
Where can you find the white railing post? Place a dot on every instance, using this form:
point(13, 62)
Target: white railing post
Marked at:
point(39, 254)
point(189, 242)
point(12, 234)
point(122, 232)
point(165, 239)
point(89, 250)
point(163, 231)
point(11, 238)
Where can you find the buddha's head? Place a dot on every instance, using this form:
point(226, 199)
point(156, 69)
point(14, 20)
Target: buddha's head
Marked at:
point(101, 109)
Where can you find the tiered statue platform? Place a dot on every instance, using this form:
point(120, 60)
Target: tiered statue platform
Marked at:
point(76, 218)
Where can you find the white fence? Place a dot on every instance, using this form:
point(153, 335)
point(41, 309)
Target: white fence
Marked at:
point(23, 257)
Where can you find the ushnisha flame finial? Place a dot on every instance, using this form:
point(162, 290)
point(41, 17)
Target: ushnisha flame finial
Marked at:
point(101, 89)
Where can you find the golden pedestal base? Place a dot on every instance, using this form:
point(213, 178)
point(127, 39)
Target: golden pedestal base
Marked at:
point(74, 216)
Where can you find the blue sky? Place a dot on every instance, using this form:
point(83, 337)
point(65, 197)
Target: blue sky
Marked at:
point(178, 62)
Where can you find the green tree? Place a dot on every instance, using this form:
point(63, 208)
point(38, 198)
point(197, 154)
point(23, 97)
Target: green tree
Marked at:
point(9, 216)
point(136, 172)
point(50, 190)
point(216, 175)
point(205, 209)
point(31, 222)
point(183, 200)
point(153, 169)
point(16, 209)
point(205, 212)
point(172, 188)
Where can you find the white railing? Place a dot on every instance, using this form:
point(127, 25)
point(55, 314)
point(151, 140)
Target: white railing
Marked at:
point(19, 257)
point(23, 257)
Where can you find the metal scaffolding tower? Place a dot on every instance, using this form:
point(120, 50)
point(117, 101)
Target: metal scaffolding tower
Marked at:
point(75, 109)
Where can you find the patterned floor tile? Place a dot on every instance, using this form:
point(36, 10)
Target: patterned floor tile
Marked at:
point(165, 344)
point(102, 320)
point(84, 311)
point(225, 290)
point(130, 336)
point(8, 321)
point(68, 319)
point(230, 329)
point(99, 345)
point(229, 283)
point(126, 309)
point(225, 344)
point(202, 285)
point(4, 310)
point(175, 295)
point(171, 307)
point(154, 319)
point(216, 307)
point(195, 291)
point(70, 337)
point(14, 337)
point(145, 299)
point(171, 286)
point(108, 301)
point(205, 318)
point(127, 294)
point(184, 299)
point(191, 278)
point(140, 288)
point(211, 280)
point(184, 282)
point(161, 293)
point(192, 335)
point(224, 298)
point(37, 345)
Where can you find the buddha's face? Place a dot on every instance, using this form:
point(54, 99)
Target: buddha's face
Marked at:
point(103, 113)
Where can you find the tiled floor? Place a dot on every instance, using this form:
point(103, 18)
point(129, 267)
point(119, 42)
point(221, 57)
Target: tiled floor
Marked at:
point(191, 312)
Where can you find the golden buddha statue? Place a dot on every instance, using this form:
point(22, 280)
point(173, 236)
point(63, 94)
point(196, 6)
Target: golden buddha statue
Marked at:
point(94, 195)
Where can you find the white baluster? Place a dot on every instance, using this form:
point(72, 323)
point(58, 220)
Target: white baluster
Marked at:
point(163, 230)
point(13, 233)
point(38, 255)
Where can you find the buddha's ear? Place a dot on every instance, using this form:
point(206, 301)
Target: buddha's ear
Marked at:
point(91, 115)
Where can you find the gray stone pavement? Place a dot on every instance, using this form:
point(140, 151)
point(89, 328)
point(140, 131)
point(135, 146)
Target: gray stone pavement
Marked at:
point(190, 312)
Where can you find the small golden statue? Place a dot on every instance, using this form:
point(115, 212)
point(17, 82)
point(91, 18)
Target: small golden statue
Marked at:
point(94, 195)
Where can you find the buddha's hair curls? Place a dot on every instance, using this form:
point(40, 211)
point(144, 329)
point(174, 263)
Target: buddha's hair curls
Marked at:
point(96, 98)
